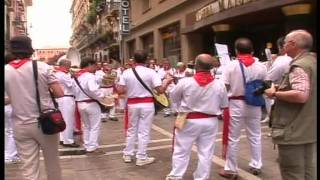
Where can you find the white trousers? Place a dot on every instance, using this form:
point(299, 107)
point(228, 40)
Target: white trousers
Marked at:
point(10, 145)
point(140, 121)
point(67, 108)
point(249, 116)
point(202, 132)
point(90, 116)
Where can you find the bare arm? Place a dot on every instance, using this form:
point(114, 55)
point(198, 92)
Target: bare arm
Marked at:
point(56, 89)
point(121, 89)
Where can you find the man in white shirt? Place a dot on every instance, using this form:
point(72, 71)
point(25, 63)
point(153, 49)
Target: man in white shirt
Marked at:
point(240, 112)
point(20, 88)
point(140, 107)
point(66, 103)
point(89, 109)
point(203, 98)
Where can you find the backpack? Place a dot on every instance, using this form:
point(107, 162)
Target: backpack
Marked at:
point(250, 88)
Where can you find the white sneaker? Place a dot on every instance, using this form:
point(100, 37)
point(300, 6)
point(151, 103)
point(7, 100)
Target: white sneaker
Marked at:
point(172, 178)
point(142, 162)
point(265, 120)
point(127, 158)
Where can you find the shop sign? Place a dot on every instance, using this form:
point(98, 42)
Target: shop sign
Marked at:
point(125, 25)
point(218, 6)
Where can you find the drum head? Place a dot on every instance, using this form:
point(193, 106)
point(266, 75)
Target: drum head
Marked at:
point(162, 99)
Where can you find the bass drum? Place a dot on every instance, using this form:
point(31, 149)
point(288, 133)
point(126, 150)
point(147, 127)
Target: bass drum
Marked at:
point(74, 56)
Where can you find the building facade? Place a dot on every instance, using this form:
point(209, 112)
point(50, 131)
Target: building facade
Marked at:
point(46, 54)
point(15, 18)
point(95, 25)
point(178, 30)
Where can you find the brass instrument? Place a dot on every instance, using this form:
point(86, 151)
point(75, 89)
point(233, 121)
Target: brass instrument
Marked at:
point(109, 79)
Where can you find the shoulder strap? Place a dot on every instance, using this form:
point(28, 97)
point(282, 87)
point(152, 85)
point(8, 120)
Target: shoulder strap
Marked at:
point(141, 82)
point(77, 82)
point(242, 71)
point(35, 75)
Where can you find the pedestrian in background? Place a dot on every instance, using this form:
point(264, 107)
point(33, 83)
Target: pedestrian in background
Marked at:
point(294, 119)
point(242, 113)
point(203, 98)
point(20, 88)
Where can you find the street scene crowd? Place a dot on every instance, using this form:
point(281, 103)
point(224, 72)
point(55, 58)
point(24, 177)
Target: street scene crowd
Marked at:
point(200, 93)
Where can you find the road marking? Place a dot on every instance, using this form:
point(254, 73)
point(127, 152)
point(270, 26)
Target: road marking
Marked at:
point(242, 173)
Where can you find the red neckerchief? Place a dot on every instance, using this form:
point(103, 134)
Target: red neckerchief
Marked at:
point(18, 63)
point(203, 78)
point(61, 69)
point(79, 73)
point(246, 59)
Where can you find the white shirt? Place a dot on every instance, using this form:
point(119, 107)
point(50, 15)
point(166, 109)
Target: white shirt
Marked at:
point(191, 97)
point(233, 76)
point(66, 81)
point(279, 67)
point(90, 86)
point(218, 72)
point(20, 88)
point(134, 87)
point(162, 73)
point(99, 76)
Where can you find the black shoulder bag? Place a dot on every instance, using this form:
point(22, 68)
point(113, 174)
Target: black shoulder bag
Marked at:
point(50, 120)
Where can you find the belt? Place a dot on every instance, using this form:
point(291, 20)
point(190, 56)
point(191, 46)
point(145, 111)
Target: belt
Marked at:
point(87, 101)
point(237, 97)
point(68, 96)
point(199, 115)
point(106, 86)
point(140, 100)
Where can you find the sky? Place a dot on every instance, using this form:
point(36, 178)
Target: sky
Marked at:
point(49, 23)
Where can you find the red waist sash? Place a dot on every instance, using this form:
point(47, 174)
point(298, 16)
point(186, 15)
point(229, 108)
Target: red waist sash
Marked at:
point(87, 101)
point(237, 97)
point(140, 100)
point(199, 115)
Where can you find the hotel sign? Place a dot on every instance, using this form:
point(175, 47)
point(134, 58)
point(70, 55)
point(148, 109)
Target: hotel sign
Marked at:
point(125, 24)
point(218, 6)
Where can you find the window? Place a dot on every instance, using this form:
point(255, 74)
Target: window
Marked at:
point(147, 42)
point(145, 5)
point(171, 43)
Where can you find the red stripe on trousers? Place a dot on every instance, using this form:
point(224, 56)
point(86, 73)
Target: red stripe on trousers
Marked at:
point(78, 119)
point(225, 133)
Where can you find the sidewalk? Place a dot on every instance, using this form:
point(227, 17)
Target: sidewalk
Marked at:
point(78, 166)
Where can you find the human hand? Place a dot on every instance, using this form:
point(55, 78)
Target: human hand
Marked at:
point(270, 92)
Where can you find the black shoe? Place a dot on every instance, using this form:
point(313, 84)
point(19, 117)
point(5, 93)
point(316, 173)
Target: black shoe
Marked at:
point(103, 119)
point(73, 145)
point(255, 171)
point(113, 119)
point(61, 142)
point(166, 115)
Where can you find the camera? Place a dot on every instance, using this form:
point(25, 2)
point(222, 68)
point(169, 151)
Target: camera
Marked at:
point(265, 85)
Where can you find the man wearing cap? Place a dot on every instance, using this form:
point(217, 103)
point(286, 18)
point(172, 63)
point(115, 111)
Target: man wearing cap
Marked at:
point(203, 98)
point(66, 103)
point(20, 88)
point(140, 107)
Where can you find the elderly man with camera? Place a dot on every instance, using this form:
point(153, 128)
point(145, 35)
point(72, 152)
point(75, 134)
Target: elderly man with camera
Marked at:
point(294, 116)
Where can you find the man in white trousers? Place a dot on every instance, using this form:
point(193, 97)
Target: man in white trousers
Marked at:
point(66, 103)
point(240, 112)
point(140, 107)
point(203, 98)
point(89, 109)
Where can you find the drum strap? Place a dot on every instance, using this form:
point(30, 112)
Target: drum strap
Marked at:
point(77, 82)
point(140, 80)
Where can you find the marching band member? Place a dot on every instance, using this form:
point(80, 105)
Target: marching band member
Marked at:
point(90, 111)
point(140, 107)
point(202, 97)
point(240, 112)
point(66, 103)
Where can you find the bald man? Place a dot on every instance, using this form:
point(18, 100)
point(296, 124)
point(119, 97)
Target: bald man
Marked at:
point(294, 117)
point(203, 98)
point(66, 103)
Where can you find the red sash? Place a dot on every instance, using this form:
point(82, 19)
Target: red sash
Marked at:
point(225, 133)
point(199, 115)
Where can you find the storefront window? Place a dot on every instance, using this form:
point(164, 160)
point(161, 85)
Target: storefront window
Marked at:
point(171, 43)
point(131, 48)
point(147, 41)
